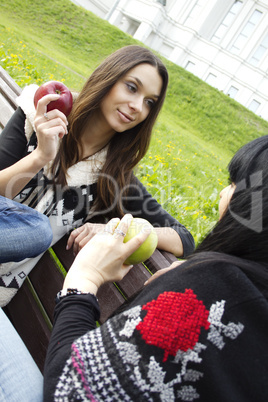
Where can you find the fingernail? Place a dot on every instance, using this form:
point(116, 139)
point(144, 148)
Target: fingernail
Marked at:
point(67, 247)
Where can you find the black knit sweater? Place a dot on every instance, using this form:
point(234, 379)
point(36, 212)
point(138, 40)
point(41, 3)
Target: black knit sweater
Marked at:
point(197, 333)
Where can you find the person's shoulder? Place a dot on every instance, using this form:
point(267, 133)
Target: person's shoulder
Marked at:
point(25, 102)
point(25, 99)
point(211, 266)
point(221, 266)
point(214, 257)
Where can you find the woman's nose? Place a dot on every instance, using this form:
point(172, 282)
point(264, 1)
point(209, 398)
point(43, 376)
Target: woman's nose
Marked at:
point(136, 104)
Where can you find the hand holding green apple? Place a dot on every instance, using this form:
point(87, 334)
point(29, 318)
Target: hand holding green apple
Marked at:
point(103, 257)
point(148, 247)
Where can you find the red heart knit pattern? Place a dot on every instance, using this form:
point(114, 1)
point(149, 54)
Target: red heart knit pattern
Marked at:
point(173, 322)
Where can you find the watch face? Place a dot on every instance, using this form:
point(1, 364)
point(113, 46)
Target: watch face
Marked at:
point(68, 292)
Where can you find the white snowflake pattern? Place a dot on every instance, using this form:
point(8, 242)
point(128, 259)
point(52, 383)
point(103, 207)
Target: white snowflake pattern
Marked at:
point(217, 329)
point(132, 321)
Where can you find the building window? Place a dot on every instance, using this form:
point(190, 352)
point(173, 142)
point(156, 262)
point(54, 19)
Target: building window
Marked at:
point(211, 79)
point(195, 12)
point(232, 92)
point(260, 52)
point(246, 32)
point(226, 23)
point(190, 66)
point(254, 105)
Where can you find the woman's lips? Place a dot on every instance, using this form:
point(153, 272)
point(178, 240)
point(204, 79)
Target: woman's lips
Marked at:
point(125, 117)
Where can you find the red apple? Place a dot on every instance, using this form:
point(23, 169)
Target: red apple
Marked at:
point(148, 246)
point(65, 101)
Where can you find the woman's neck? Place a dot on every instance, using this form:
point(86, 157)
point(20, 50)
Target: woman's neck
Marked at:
point(96, 135)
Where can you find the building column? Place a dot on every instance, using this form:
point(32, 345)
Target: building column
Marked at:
point(143, 32)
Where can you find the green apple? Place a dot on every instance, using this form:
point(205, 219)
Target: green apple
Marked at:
point(147, 248)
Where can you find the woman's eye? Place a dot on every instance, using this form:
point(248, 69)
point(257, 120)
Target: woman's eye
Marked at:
point(150, 102)
point(131, 87)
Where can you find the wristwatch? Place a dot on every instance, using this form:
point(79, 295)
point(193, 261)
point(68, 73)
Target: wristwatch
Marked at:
point(68, 292)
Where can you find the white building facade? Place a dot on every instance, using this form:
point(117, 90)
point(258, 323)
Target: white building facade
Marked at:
point(223, 42)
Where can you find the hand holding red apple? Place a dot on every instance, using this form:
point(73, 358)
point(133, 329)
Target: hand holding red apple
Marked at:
point(50, 126)
point(65, 101)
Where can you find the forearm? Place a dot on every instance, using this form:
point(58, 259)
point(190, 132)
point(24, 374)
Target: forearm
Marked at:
point(14, 178)
point(74, 316)
point(169, 240)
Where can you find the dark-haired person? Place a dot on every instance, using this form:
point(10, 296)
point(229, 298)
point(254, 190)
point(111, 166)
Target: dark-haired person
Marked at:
point(109, 132)
point(197, 332)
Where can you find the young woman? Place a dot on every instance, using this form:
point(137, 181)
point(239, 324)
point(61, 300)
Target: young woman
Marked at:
point(198, 332)
point(109, 131)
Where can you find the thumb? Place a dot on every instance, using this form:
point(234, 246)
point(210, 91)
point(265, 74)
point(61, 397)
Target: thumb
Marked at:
point(41, 107)
point(134, 243)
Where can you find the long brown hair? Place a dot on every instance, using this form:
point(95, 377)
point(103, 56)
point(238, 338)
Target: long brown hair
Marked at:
point(125, 149)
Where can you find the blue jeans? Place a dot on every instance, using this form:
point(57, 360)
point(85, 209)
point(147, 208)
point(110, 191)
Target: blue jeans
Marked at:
point(20, 378)
point(24, 232)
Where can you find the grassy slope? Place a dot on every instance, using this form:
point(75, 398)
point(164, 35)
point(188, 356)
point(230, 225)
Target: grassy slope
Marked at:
point(197, 132)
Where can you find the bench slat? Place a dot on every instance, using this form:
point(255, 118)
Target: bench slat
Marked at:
point(66, 257)
point(29, 323)
point(134, 280)
point(9, 81)
point(6, 111)
point(157, 261)
point(8, 94)
point(46, 276)
point(169, 257)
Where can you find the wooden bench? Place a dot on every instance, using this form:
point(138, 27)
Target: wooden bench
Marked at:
point(31, 310)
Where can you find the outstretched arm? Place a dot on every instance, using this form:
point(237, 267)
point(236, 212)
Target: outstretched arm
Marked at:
point(172, 235)
point(168, 238)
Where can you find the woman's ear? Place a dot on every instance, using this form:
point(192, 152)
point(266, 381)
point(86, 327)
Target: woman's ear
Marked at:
point(225, 198)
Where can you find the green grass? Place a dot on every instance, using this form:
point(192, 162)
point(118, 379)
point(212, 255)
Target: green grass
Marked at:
point(196, 134)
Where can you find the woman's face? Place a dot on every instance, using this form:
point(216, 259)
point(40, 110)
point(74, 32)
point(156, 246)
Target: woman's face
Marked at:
point(225, 198)
point(130, 100)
